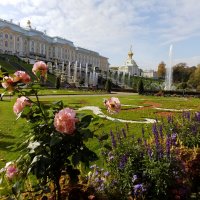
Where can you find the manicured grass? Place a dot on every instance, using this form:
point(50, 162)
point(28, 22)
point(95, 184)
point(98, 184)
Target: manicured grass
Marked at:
point(10, 129)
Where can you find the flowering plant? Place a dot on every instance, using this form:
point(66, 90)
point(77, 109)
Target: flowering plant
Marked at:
point(113, 105)
point(55, 141)
point(150, 168)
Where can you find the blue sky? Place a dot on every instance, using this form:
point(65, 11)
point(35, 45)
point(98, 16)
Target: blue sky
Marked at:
point(112, 26)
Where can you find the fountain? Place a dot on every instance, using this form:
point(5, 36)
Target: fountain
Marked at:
point(168, 76)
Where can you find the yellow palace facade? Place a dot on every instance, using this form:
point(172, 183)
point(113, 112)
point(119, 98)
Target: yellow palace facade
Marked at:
point(29, 43)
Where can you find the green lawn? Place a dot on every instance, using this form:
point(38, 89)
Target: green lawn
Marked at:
point(10, 129)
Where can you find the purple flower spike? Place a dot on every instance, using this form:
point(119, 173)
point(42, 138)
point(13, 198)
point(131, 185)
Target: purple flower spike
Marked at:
point(197, 116)
point(114, 144)
point(123, 162)
point(124, 132)
point(161, 132)
point(168, 145)
point(143, 132)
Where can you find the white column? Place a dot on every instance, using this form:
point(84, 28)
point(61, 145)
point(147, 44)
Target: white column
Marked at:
point(93, 76)
point(69, 72)
point(14, 45)
point(75, 71)
point(80, 70)
point(20, 45)
point(86, 76)
point(63, 65)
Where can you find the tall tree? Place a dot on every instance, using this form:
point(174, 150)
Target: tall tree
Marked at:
point(140, 87)
point(181, 72)
point(161, 70)
point(194, 79)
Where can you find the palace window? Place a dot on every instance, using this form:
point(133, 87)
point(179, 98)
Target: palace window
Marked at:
point(6, 36)
point(11, 37)
point(1, 35)
point(11, 44)
point(6, 43)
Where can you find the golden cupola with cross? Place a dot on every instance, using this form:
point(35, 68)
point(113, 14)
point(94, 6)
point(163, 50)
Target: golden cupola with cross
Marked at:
point(130, 54)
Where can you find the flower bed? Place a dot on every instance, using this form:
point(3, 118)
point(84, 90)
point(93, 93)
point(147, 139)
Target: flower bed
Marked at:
point(163, 164)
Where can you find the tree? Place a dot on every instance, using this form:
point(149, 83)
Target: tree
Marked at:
point(194, 79)
point(108, 85)
point(57, 82)
point(140, 87)
point(181, 72)
point(161, 70)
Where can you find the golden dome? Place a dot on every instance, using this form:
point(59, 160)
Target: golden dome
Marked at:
point(130, 53)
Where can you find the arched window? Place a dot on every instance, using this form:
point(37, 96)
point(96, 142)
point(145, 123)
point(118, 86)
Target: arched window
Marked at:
point(6, 36)
point(6, 43)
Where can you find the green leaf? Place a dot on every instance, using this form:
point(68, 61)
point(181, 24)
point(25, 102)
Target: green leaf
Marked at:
point(86, 134)
point(85, 121)
point(26, 110)
point(107, 146)
point(76, 158)
point(103, 137)
point(55, 139)
point(16, 188)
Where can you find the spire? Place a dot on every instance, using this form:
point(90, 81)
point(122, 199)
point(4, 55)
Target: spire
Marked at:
point(130, 53)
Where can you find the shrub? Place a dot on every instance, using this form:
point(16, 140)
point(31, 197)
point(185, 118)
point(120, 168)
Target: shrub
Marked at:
point(140, 87)
point(108, 85)
point(54, 145)
point(57, 82)
point(151, 168)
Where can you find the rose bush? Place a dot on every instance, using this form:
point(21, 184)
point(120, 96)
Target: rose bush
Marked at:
point(54, 145)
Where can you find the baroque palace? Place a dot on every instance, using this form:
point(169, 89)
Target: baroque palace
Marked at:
point(31, 44)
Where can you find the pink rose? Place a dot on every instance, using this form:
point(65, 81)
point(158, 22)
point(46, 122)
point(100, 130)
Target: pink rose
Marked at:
point(21, 76)
point(20, 104)
point(65, 121)
point(8, 83)
point(11, 171)
point(113, 105)
point(41, 67)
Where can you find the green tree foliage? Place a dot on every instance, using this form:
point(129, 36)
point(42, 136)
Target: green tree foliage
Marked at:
point(108, 85)
point(194, 79)
point(140, 87)
point(57, 82)
point(181, 72)
point(161, 70)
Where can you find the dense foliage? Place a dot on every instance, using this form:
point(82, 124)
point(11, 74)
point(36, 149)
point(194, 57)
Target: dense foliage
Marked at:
point(54, 144)
point(159, 165)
